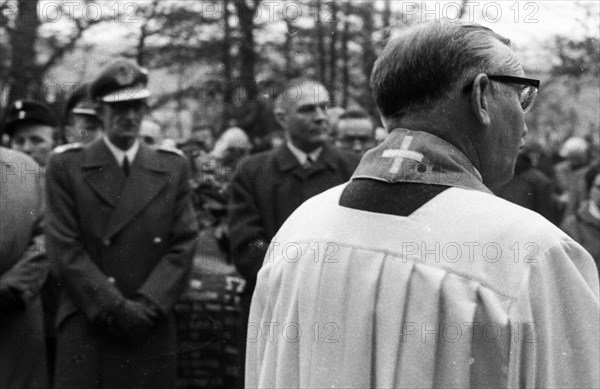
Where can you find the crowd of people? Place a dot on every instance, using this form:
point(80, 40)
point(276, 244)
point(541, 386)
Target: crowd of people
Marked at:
point(131, 260)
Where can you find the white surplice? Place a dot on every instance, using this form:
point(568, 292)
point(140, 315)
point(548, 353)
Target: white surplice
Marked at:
point(468, 291)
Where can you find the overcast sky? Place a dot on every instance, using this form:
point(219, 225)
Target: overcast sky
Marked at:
point(535, 21)
point(530, 25)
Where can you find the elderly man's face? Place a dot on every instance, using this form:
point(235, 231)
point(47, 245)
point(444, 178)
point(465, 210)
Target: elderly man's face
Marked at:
point(305, 119)
point(355, 135)
point(122, 121)
point(509, 136)
point(504, 136)
point(35, 140)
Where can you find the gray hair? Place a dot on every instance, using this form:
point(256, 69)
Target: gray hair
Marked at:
point(425, 64)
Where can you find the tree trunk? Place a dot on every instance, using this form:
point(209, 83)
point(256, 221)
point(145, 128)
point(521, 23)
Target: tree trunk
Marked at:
point(180, 103)
point(387, 17)
point(369, 56)
point(144, 33)
point(24, 75)
point(141, 46)
point(247, 53)
point(332, 52)
point(345, 56)
point(227, 84)
point(321, 55)
point(463, 7)
point(289, 70)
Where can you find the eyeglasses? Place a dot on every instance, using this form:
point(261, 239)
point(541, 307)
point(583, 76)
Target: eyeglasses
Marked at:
point(527, 93)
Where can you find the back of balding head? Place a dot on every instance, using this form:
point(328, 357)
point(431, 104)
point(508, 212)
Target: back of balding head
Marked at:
point(425, 63)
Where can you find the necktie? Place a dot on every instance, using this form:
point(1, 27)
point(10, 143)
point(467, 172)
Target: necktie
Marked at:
point(126, 166)
point(309, 162)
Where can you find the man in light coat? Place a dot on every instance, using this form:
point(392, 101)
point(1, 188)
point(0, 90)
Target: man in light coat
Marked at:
point(414, 275)
point(23, 270)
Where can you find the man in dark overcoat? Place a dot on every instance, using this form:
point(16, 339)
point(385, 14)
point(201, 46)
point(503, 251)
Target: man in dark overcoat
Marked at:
point(269, 186)
point(121, 228)
point(23, 270)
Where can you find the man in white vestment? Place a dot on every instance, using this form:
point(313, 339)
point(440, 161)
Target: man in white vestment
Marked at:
point(413, 274)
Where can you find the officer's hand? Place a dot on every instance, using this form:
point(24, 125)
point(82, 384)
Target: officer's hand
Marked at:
point(133, 319)
point(10, 300)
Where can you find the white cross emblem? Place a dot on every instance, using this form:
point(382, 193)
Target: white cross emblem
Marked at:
point(401, 153)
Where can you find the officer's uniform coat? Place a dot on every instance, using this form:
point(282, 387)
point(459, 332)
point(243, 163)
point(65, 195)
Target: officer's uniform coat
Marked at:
point(22, 350)
point(115, 237)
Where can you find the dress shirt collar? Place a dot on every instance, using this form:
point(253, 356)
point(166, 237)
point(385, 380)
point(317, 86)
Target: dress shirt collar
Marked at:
point(120, 154)
point(301, 156)
point(594, 210)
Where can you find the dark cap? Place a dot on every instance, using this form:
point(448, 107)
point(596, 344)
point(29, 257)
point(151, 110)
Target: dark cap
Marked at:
point(80, 102)
point(28, 110)
point(121, 80)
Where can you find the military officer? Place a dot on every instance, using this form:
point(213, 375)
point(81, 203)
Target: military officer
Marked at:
point(32, 128)
point(122, 231)
point(82, 123)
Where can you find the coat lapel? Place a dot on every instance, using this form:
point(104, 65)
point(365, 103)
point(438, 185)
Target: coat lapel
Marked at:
point(327, 160)
point(146, 180)
point(101, 172)
point(286, 161)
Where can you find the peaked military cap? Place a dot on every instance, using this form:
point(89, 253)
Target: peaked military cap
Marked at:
point(28, 110)
point(121, 80)
point(80, 102)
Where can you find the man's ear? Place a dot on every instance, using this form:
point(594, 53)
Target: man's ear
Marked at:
point(385, 122)
point(480, 97)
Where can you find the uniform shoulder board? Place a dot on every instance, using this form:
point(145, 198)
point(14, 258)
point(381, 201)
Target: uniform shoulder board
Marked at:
point(172, 150)
point(68, 147)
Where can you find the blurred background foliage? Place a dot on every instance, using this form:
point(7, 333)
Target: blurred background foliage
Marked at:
point(222, 62)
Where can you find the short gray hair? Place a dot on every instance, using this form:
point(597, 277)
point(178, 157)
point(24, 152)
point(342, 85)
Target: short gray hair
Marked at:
point(427, 62)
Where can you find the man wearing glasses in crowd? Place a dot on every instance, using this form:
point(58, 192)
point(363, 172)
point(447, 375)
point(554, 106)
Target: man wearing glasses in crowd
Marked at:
point(414, 274)
point(354, 132)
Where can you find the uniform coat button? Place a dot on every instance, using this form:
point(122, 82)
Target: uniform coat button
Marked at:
point(157, 240)
point(106, 242)
point(111, 280)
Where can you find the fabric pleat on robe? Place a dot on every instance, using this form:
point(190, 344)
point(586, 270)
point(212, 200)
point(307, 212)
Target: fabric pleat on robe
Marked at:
point(372, 300)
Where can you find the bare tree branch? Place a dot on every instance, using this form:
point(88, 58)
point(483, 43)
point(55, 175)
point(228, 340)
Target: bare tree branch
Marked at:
point(60, 51)
point(144, 33)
